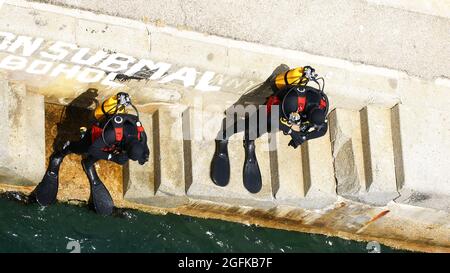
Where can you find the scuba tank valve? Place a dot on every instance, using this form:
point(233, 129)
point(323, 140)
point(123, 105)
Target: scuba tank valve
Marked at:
point(294, 118)
point(123, 99)
point(83, 131)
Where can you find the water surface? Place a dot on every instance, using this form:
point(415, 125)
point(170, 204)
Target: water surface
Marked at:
point(31, 228)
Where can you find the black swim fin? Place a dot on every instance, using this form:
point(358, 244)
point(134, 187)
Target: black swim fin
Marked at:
point(220, 165)
point(251, 173)
point(100, 197)
point(45, 193)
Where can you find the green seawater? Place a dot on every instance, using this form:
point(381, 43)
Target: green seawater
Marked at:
point(31, 228)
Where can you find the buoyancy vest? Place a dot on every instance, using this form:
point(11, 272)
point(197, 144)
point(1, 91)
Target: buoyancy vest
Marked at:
point(117, 122)
point(301, 102)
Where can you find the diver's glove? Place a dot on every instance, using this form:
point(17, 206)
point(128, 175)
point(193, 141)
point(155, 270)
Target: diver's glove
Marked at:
point(293, 144)
point(144, 157)
point(297, 139)
point(143, 160)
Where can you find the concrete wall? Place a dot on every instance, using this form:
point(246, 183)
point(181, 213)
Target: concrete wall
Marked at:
point(403, 35)
point(387, 79)
point(22, 148)
point(387, 126)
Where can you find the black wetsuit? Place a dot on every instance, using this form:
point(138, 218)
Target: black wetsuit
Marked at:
point(92, 151)
point(308, 104)
point(98, 149)
point(309, 129)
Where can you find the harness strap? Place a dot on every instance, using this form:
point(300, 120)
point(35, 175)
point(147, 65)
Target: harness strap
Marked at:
point(322, 104)
point(140, 129)
point(96, 132)
point(103, 108)
point(301, 101)
point(117, 122)
point(285, 77)
point(119, 133)
point(272, 100)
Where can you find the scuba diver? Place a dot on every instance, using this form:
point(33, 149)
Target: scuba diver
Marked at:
point(115, 136)
point(302, 115)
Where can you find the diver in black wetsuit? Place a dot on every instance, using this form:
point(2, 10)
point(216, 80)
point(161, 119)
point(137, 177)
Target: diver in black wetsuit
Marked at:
point(117, 138)
point(302, 115)
point(303, 112)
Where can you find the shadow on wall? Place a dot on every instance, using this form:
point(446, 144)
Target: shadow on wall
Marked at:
point(255, 96)
point(77, 114)
point(259, 93)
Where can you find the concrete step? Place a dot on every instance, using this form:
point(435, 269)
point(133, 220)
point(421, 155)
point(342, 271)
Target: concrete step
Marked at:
point(318, 171)
point(139, 181)
point(301, 176)
point(287, 169)
point(200, 129)
point(22, 146)
point(168, 151)
point(354, 159)
point(346, 142)
point(420, 141)
point(378, 151)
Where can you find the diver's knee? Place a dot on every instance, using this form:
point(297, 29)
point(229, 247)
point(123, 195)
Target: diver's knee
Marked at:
point(87, 163)
point(55, 160)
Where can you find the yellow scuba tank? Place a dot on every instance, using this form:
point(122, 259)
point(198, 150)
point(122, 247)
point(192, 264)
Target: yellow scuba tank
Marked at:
point(290, 77)
point(110, 106)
